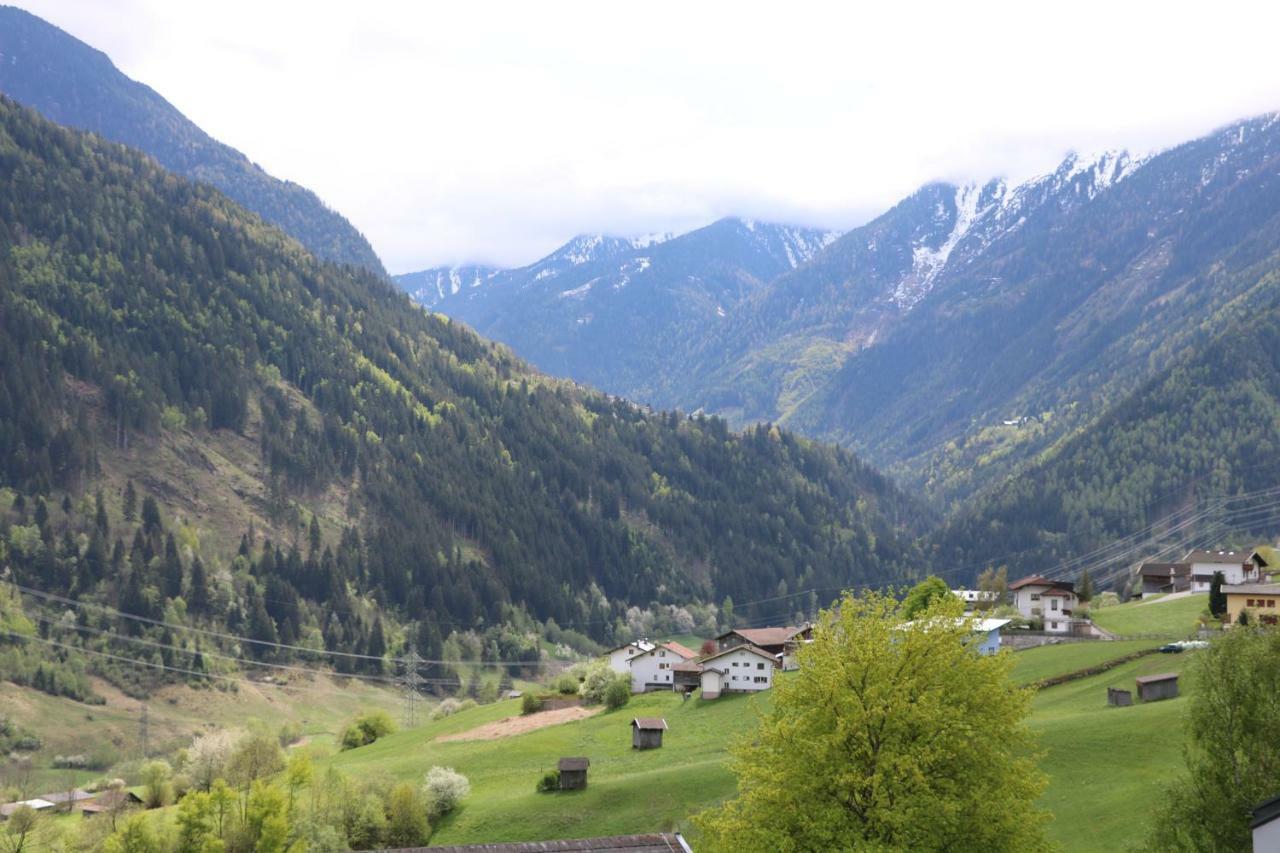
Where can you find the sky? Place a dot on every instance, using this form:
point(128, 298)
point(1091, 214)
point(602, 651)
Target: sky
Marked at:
point(493, 132)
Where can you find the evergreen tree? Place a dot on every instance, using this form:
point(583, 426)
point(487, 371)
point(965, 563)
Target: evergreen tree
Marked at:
point(1217, 598)
point(198, 598)
point(100, 515)
point(1084, 587)
point(130, 501)
point(151, 516)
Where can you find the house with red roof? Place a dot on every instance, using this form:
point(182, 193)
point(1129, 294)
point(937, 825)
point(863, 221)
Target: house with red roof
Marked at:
point(656, 669)
point(1050, 601)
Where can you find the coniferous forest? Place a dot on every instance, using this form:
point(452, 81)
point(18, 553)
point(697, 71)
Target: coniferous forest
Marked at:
point(136, 304)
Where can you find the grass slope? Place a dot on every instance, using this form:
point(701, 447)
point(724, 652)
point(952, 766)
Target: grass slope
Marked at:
point(1107, 765)
point(628, 791)
point(1047, 661)
point(1175, 618)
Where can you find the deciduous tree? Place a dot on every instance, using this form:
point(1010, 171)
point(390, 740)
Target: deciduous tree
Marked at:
point(890, 737)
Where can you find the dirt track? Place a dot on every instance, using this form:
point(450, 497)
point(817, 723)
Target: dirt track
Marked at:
point(512, 726)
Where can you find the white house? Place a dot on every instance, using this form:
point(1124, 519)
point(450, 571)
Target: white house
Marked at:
point(1053, 602)
point(973, 597)
point(620, 658)
point(1237, 567)
point(653, 669)
point(742, 669)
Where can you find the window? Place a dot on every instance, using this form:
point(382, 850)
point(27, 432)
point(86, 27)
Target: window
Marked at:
point(1249, 603)
point(662, 654)
point(1053, 605)
point(1035, 596)
point(1268, 619)
point(759, 666)
point(1271, 602)
point(1036, 611)
point(1053, 626)
point(735, 663)
point(760, 679)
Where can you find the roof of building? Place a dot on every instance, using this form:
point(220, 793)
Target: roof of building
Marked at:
point(1163, 570)
point(574, 763)
point(649, 723)
point(755, 650)
point(642, 645)
point(1229, 558)
point(1152, 679)
point(686, 666)
point(666, 842)
point(684, 651)
point(765, 636)
point(1040, 580)
point(67, 796)
point(36, 804)
point(1252, 589)
point(1265, 812)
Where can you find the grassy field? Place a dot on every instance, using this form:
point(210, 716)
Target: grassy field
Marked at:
point(628, 791)
point(1175, 618)
point(1107, 765)
point(1047, 661)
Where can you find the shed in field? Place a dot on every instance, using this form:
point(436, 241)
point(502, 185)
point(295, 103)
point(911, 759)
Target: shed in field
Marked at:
point(573, 773)
point(646, 732)
point(1120, 698)
point(1155, 687)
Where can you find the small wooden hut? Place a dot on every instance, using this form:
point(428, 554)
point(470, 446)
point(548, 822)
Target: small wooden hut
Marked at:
point(573, 773)
point(646, 732)
point(1120, 698)
point(1152, 688)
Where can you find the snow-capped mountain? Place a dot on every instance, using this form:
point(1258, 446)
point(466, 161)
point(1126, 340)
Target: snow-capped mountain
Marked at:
point(430, 287)
point(602, 309)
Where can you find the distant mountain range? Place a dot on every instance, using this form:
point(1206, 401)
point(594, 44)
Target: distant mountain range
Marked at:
point(73, 84)
point(605, 310)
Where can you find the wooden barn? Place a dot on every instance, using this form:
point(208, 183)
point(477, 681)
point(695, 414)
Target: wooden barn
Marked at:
point(1155, 687)
point(646, 732)
point(573, 773)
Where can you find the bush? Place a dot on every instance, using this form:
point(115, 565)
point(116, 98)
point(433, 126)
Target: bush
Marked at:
point(290, 733)
point(530, 704)
point(444, 788)
point(367, 727)
point(549, 782)
point(618, 693)
point(447, 708)
point(565, 685)
point(595, 682)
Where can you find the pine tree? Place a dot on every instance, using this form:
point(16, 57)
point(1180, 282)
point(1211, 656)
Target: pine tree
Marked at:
point(100, 516)
point(1217, 598)
point(130, 501)
point(198, 599)
point(151, 515)
point(1084, 587)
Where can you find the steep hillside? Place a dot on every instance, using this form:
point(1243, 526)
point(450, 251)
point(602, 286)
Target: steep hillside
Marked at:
point(71, 83)
point(606, 310)
point(1206, 427)
point(140, 310)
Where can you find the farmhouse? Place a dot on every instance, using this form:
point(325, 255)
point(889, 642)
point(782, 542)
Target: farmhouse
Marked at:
point(1260, 600)
point(1158, 578)
point(772, 640)
point(68, 800)
point(620, 658)
point(1053, 602)
point(646, 732)
point(742, 669)
point(573, 773)
point(654, 669)
point(1237, 567)
point(110, 801)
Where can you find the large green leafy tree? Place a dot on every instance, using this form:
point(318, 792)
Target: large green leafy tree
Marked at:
point(891, 736)
point(921, 596)
point(1232, 761)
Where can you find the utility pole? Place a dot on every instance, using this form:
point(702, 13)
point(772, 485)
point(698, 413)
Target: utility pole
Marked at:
point(410, 682)
point(143, 732)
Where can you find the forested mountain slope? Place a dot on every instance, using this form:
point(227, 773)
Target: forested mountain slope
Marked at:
point(915, 338)
point(1206, 427)
point(138, 309)
point(71, 83)
point(613, 312)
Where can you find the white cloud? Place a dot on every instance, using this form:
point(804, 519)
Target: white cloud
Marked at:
point(494, 131)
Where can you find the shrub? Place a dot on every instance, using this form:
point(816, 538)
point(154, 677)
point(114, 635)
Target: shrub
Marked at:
point(565, 685)
point(447, 708)
point(595, 682)
point(443, 789)
point(290, 733)
point(157, 784)
point(367, 727)
point(530, 704)
point(549, 782)
point(618, 693)
point(406, 818)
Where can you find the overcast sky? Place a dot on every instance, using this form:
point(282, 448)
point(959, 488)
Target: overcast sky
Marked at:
point(486, 131)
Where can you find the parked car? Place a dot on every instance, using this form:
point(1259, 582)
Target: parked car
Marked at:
point(1170, 648)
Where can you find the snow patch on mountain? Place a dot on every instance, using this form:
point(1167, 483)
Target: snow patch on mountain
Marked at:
point(927, 262)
